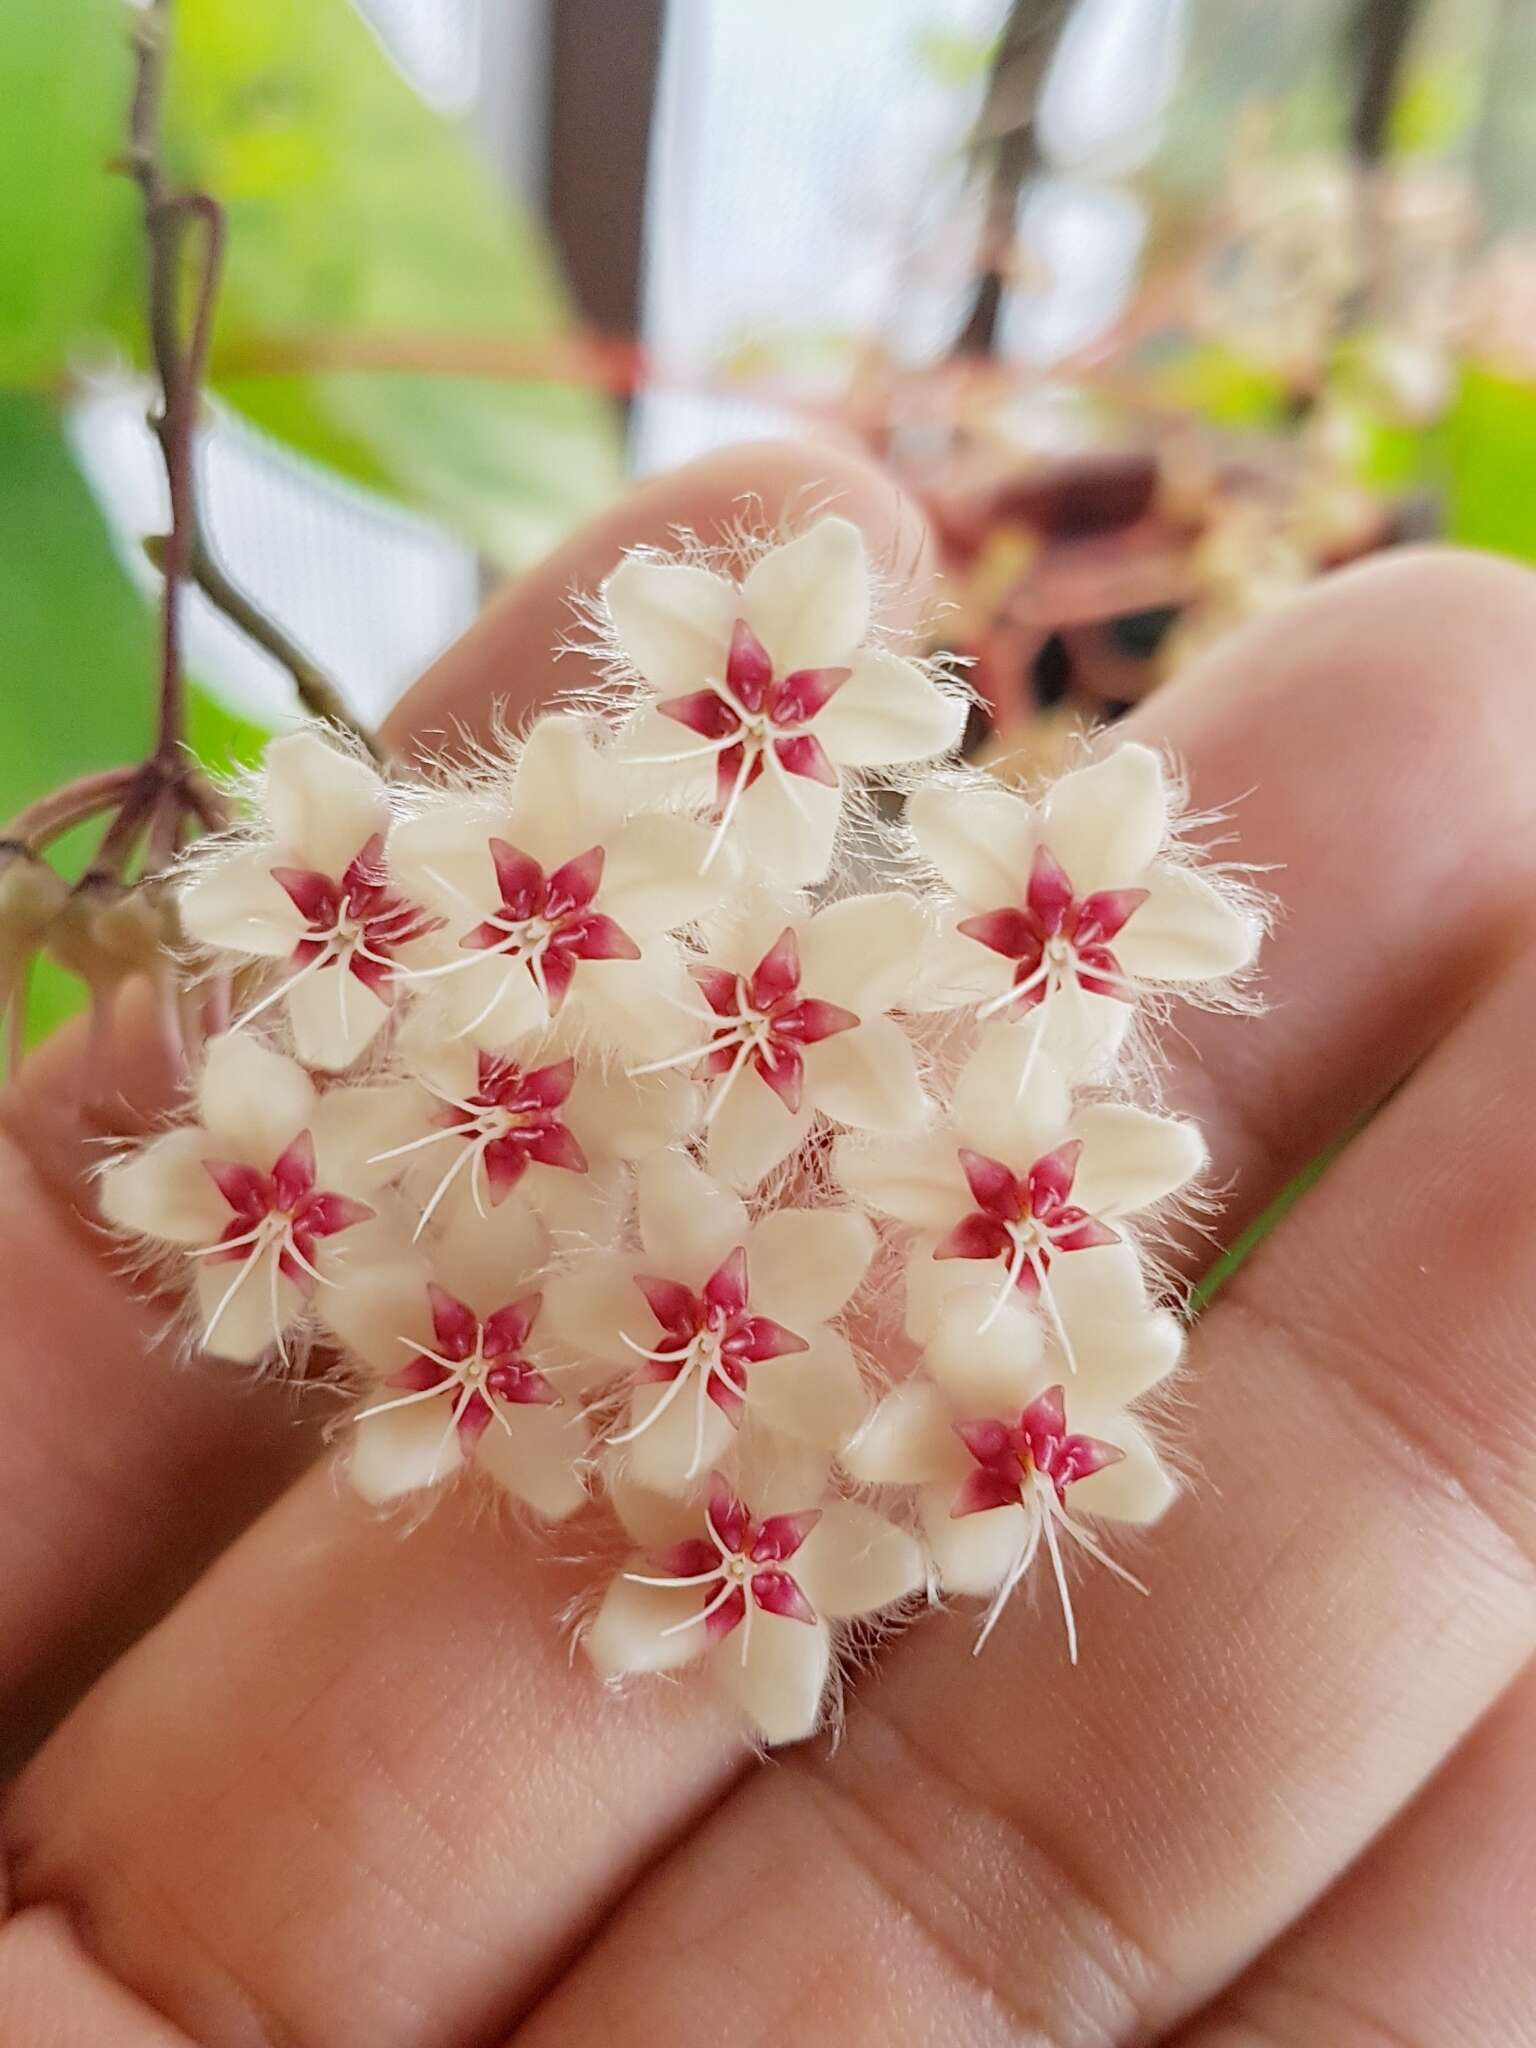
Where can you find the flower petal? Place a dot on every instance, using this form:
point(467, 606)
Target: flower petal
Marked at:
point(672, 620)
point(863, 953)
point(351, 1127)
point(776, 1676)
point(808, 601)
point(1121, 1343)
point(322, 803)
point(236, 904)
point(335, 1018)
point(1138, 1488)
point(1185, 931)
point(971, 1553)
point(625, 1119)
point(813, 1397)
point(916, 1180)
point(752, 1132)
point(867, 1077)
point(442, 858)
point(999, 1117)
point(980, 838)
point(1130, 1158)
point(403, 1450)
point(1106, 822)
point(805, 1263)
point(629, 1632)
point(563, 794)
point(856, 1562)
point(594, 1304)
point(954, 971)
point(652, 880)
point(253, 1101)
point(245, 1327)
point(162, 1189)
point(887, 712)
point(672, 1453)
point(908, 1440)
point(688, 1222)
point(375, 1304)
point(535, 1459)
point(633, 1006)
point(988, 1362)
point(788, 836)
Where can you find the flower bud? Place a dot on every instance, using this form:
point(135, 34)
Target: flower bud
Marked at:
point(108, 931)
point(32, 894)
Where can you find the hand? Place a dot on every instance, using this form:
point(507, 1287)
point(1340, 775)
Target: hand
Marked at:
point(354, 1791)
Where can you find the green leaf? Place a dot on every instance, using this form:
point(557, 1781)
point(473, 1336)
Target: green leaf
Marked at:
point(77, 645)
point(355, 211)
point(1490, 442)
point(65, 222)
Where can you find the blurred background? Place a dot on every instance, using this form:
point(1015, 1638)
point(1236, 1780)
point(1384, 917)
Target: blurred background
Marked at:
point(1163, 307)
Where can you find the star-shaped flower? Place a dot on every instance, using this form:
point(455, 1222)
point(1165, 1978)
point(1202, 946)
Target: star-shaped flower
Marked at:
point(771, 687)
point(1066, 911)
point(755, 1578)
point(259, 1194)
point(717, 1319)
point(318, 895)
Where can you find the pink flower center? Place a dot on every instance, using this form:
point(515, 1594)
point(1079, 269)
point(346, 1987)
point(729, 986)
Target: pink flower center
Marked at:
point(1026, 1219)
point(480, 1363)
point(549, 921)
point(1056, 936)
point(359, 919)
point(1012, 1458)
point(739, 1562)
point(513, 1121)
point(752, 718)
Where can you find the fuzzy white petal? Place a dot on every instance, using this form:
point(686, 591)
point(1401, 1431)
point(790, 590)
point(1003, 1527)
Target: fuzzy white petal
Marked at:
point(777, 1475)
point(788, 828)
point(374, 1306)
point(322, 803)
point(972, 1553)
point(989, 1364)
point(442, 858)
point(558, 790)
point(856, 1562)
point(909, 1440)
point(1139, 1489)
point(980, 838)
point(351, 1127)
point(594, 1304)
point(752, 1132)
point(631, 1006)
point(629, 1631)
point(814, 1397)
point(652, 879)
point(867, 1077)
point(245, 1328)
point(1122, 1344)
point(915, 1180)
point(998, 1116)
point(889, 712)
point(673, 621)
point(1106, 822)
point(624, 1118)
point(674, 1451)
point(1185, 931)
point(163, 1190)
point(534, 1458)
point(863, 952)
point(652, 1521)
point(808, 601)
point(1131, 1158)
point(954, 970)
point(688, 1222)
point(335, 1018)
point(662, 762)
point(492, 1260)
point(404, 1450)
point(777, 1676)
point(805, 1263)
point(252, 1099)
point(236, 904)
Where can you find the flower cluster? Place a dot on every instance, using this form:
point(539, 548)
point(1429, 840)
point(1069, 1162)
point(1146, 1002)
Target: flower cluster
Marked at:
point(609, 1140)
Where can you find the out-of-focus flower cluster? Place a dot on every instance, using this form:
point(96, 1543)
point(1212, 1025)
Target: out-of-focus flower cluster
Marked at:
point(649, 1114)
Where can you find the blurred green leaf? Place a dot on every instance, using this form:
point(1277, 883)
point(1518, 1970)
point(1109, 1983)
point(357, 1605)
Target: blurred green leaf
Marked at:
point(1490, 442)
point(65, 223)
point(356, 211)
point(77, 643)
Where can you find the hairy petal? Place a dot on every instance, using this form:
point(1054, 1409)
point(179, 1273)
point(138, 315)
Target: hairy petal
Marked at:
point(1107, 822)
point(808, 601)
point(673, 621)
point(806, 1263)
point(856, 1562)
point(321, 801)
point(889, 712)
point(979, 837)
point(1185, 931)
point(1130, 1158)
point(780, 1681)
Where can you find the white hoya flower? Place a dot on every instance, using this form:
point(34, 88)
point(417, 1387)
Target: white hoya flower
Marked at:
point(316, 893)
point(794, 1007)
point(986, 1442)
point(755, 1576)
point(773, 687)
point(462, 1371)
point(718, 1319)
point(546, 1115)
point(1016, 1184)
point(554, 901)
point(261, 1193)
point(1070, 908)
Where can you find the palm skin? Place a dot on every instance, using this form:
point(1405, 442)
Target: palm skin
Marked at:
point(352, 1790)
